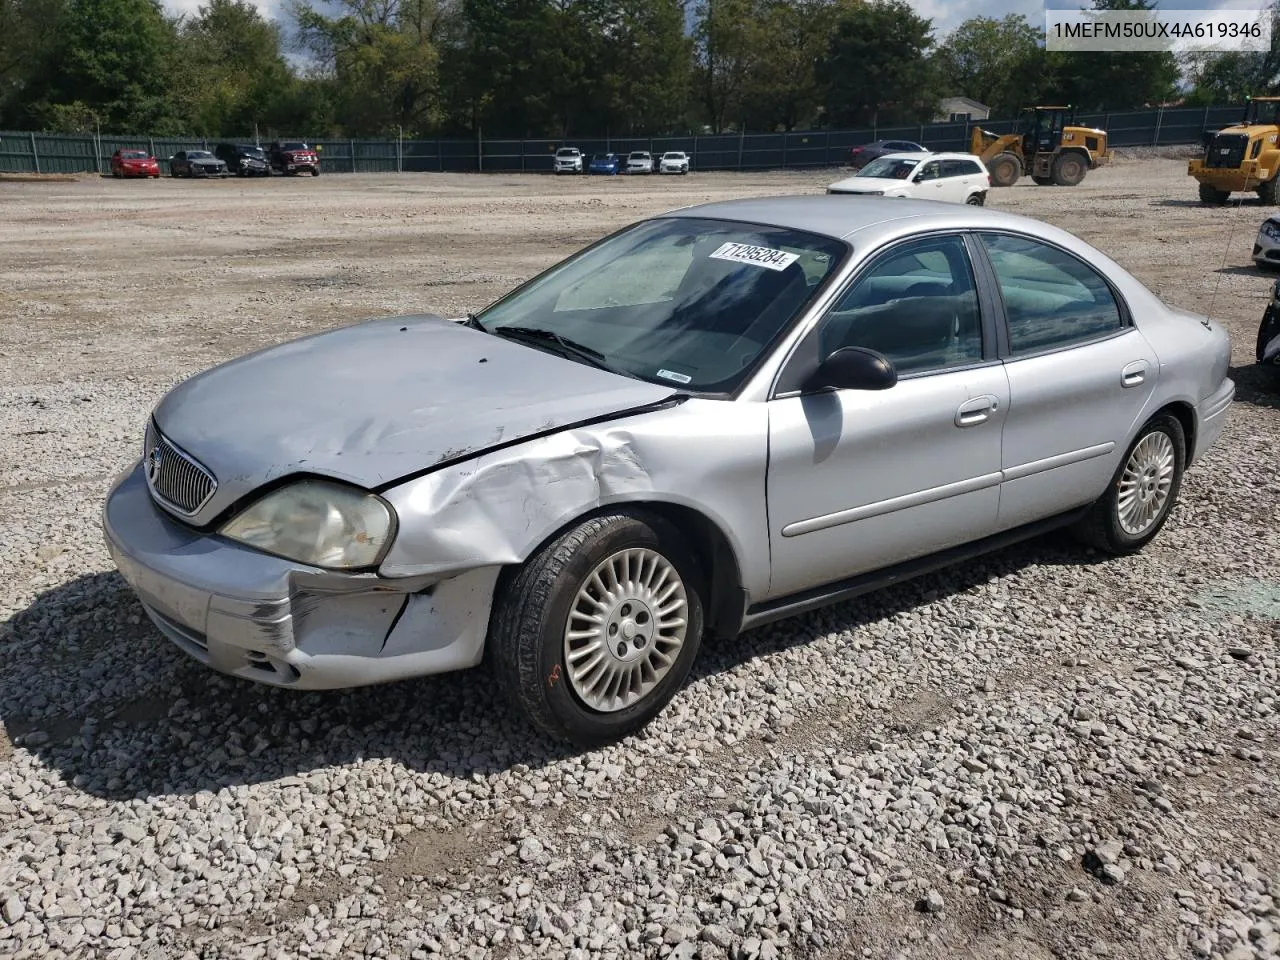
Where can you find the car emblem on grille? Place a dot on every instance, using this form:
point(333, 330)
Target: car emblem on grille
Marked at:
point(154, 460)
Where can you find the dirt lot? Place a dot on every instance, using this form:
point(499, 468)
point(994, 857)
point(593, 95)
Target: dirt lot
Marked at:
point(1041, 754)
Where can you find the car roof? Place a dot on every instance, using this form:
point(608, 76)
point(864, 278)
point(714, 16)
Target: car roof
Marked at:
point(840, 217)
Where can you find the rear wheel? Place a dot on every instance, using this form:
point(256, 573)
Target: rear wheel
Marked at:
point(1005, 170)
point(1138, 500)
point(1211, 194)
point(1069, 169)
point(1269, 192)
point(595, 634)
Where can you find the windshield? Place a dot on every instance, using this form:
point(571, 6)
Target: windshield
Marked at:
point(294, 146)
point(566, 153)
point(673, 156)
point(683, 301)
point(603, 158)
point(133, 155)
point(199, 155)
point(254, 152)
point(639, 156)
point(889, 169)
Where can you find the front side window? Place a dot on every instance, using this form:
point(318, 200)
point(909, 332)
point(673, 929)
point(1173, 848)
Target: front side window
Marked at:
point(685, 301)
point(1051, 298)
point(887, 168)
point(930, 171)
point(917, 304)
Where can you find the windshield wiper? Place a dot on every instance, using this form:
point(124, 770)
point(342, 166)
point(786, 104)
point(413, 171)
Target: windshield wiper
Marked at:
point(568, 348)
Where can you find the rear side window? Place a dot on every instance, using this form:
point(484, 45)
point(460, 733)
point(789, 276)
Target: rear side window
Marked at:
point(958, 168)
point(1051, 298)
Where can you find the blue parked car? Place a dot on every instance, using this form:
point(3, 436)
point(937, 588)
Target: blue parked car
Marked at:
point(605, 163)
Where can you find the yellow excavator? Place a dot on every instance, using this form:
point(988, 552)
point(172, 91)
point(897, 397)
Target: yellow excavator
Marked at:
point(1243, 156)
point(1048, 145)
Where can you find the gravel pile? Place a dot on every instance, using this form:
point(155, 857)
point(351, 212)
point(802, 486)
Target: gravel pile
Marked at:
point(1041, 753)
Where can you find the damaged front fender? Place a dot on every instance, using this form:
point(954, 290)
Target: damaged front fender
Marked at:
point(498, 508)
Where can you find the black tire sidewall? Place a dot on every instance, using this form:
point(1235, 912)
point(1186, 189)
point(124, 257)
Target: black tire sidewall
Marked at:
point(1117, 538)
point(572, 718)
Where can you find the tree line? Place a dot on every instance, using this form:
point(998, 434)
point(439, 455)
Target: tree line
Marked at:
point(554, 68)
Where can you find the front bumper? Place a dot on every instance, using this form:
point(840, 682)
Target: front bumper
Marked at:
point(278, 622)
point(1266, 250)
point(1211, 417)
point(1246, 177)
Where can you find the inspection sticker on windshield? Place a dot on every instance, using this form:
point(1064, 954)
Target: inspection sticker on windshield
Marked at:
point(765, 257)
point(672, 375)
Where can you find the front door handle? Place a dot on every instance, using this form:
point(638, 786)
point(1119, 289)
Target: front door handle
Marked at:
point(1133, 374)
point(976, 411)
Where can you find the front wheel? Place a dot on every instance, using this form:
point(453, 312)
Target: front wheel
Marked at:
point(1211, 194)
point(1268, 330)
point(976, 199)
point(1138, 500)
point(1005, 170)
point(315, 171)
point(595, 634)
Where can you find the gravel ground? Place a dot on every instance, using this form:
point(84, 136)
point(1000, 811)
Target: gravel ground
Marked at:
point(1043, 753)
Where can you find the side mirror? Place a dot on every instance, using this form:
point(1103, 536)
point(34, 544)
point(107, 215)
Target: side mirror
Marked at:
point(853, 368)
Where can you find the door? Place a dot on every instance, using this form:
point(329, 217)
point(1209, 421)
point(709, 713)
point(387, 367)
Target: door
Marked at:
point(859, 480)
point(1080, 378)
point(930, 183)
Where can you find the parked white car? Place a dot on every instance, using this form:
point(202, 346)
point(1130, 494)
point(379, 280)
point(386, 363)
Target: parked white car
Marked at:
point(568, 160)
point(639, 161)
point(953, 177)
point(674, 161)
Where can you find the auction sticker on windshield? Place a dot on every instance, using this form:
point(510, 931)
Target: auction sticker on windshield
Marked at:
point(765, 257)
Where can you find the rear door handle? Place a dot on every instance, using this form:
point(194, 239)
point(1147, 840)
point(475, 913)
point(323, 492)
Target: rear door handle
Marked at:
point(976, 411)
point(1133, 374)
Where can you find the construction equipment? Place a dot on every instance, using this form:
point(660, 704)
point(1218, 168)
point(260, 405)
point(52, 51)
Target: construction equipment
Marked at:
point(1047, 145)
point(1243, 156)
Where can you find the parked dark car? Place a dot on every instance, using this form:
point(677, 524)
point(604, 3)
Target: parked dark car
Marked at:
point(861, 156)
point(293, 157)
point(244, 160)
point(196, 163)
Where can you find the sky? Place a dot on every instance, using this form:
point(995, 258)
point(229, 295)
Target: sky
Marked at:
point(945, 14)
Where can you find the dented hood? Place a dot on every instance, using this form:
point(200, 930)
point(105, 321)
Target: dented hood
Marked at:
point(374, 402)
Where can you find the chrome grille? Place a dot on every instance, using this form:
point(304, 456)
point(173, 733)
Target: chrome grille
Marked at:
point(174, 478)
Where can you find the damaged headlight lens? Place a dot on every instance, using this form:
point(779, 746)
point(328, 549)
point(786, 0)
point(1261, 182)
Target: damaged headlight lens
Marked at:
point(319, 523)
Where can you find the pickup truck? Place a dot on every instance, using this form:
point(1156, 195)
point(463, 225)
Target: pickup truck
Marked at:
point(293, 157)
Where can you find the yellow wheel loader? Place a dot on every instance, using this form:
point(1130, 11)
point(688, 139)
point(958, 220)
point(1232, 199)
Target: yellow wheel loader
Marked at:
point(1047, 145)
point(1242, 157)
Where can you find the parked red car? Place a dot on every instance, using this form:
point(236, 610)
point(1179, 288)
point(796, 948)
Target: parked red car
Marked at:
point(134, 163)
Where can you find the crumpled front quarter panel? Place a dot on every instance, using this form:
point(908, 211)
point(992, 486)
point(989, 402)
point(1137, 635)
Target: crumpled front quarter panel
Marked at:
point(498, 508)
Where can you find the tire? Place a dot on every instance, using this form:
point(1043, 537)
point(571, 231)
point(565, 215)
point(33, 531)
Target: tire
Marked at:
point(977, 200)
point(1005, 170)
point(315, 171)
point(528, 630)
point(1104, 526)
point(1043, 181)
point(1069, 169)
point(1211, 194)
point(1269, 192)
point(1267, 330)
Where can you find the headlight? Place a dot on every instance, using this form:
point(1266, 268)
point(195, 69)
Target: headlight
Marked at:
point(317, 522)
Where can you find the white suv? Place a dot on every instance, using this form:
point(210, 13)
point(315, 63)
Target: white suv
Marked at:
point(674, 161)
point(639, 161)
point(953, 177)
point(568, 160)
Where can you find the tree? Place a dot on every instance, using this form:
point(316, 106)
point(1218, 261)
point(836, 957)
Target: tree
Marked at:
point(116, 62)
point(1000, 63)
point(233, 71)
point(877, 69)
point(723, 40)
point(1115, 81)
point(788, 38)
point(1230, 77)
point(383, 56)
point(31, 32)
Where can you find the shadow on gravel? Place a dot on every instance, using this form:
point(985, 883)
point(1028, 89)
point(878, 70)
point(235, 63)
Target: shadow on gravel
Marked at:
point(1247, 272)
point(1257, 386)
point(101, 698)
point(1196, 202)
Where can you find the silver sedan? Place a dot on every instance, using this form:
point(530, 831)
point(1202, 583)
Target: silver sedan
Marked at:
point(711, 419)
